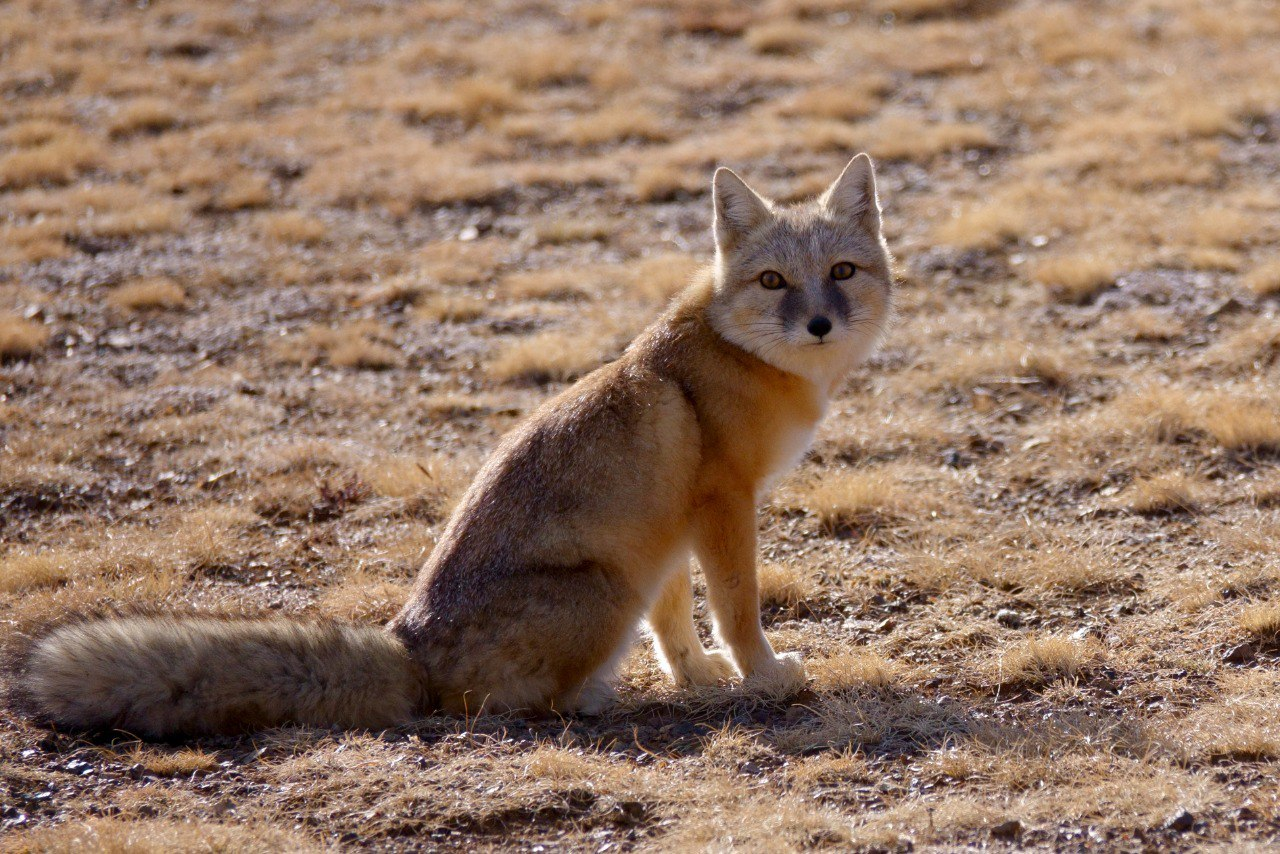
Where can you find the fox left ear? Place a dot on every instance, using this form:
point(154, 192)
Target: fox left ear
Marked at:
point(853, 195)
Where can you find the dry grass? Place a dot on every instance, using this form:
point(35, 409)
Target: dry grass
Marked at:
point(1264, 280)
point(293, 227)
point(1039, 661)
point(274, 280)
point(20, 338)
point(1077, 278)
point(145, 836)
point(782, 38)
point(852, 672)
point(145, 115)
point(1262, 620)
point(362, 344)
point(148, 294)
point(1166, 492)
point(469, 100)
point(57, 161)
point(854, 501)
point(546, 357)
point(659, 182)
point(786, 587)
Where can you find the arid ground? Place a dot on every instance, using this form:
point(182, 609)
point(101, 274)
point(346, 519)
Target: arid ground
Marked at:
point(274, 276)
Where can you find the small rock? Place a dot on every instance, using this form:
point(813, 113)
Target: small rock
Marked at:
point(1009, 618)
point(1010, 829)
point(1181, 821)
point(1240, 654)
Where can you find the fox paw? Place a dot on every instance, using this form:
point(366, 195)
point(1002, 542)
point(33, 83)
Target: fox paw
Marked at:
point(780, 677)
point(595, 697)
point(710, 668)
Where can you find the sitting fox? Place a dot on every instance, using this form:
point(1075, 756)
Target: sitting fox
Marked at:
point(578, 527)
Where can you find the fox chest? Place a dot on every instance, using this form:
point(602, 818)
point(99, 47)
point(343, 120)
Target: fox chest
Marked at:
point(789, 444)
point(761, 450)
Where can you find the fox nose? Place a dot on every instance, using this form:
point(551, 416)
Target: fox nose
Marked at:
point(819, 326)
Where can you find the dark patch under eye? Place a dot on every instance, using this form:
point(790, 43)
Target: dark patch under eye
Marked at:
point(772, 281)
point(843, 270)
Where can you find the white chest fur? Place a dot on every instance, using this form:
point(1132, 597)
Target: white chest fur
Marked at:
point(790, 449)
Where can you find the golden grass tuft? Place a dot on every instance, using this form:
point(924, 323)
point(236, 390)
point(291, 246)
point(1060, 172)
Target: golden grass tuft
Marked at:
point(362, 344)
point(145, 115)
point(553, 283)
point(1007, 365)
point(853, 500)
point(450, 308)
point(364, 598)
point(58, 161)
point(567, 230)
point(1167, 492)
point(243, 191)
point(1040, 661)
point(613, 124)
point(293, 227)
point(182, 762)
point(785, 586)
point(1033, 561)
point(554, 356)
point(19, 572)
point(147, 218)
point(1076, 278)
point(853, 671)
point(147, 294)
point(660, 276)
point(850, 102)
point(782, 38)
point(1264, 280)
point(472, 100)
point(1219, 227)
point(904, 137)
point(660, 182)
point(984, 225)
point(1240, 422)
point(21, 338)
point(418, 485)
point(1262, 620)
point(360, 352)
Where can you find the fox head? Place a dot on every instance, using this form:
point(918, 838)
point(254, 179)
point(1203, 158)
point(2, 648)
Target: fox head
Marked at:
point(804, 287)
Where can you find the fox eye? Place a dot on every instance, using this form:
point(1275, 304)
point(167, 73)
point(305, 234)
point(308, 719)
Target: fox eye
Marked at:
point(843, 270)
point(772, 281)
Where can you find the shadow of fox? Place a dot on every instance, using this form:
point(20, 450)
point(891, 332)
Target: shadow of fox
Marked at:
point(580, 525)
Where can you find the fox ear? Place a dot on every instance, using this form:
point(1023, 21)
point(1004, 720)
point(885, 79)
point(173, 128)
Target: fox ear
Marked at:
point(853, 195)
point(739, 209)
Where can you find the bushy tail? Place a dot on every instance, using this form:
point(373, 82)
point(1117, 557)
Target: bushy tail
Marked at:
point(161, 677)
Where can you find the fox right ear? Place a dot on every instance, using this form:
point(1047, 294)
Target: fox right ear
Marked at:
point(739, 210)
point(853, 195)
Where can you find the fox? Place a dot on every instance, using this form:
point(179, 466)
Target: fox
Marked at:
point(577, 530)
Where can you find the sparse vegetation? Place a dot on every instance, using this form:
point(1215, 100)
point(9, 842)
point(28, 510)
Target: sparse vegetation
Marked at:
point(273, 280)
point(20, 338)
point(147, 294)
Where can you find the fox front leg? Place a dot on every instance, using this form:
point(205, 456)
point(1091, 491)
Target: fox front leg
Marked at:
point(676, 637)
point(725, 543)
